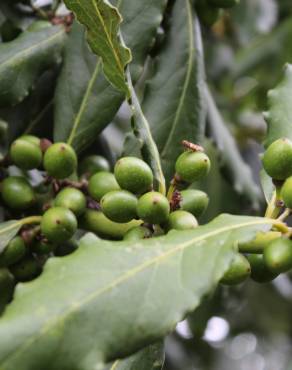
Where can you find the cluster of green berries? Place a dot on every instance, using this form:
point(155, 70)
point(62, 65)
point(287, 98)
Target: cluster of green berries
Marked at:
point(269, 254)
point(74, 197)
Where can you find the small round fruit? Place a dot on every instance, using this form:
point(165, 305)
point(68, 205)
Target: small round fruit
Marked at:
point(192, 166)
point(133, 174)
point(119, 206)
point(208, 15)
point(7, 284)
point(66, 248)
point(181, 220)
point(93, 164)
point(278, 255)
point(60, 160)
point(259, 243)
point(13, 253)
point(223, 3)
point(238, 271)
point(25, 153)
point(138, 233)
point(259, 270)
point(17, 193)
point(194, 201)
point(27, 269)
point(153, 207)
point(277, 159)
point(286, 192)
point(72, 199)
point(41, 247)
point(102, 183)
point(98, 223)
point(58, 224)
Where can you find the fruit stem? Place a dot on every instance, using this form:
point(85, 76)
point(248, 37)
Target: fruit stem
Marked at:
point(171, 190)
point(31, 220)
point(284, 215)
point(275, 205)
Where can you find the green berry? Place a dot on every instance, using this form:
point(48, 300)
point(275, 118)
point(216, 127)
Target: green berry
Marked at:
point(278, 255)
point(277, 159)
point(153, 207)
point(119, 206)
point(102, 183)
point(60, 160)
point(17, 193)
point(208, 15)
point(25, 154)
point(58, 224)
point(192, 166)
point(194, 201)
point(138, 233)
point(98, 223)
point(72, 199)
point(41, 247)
point(66, 248)
point(259, 243)
point(238, 271)
point(286, 192)
point(134, 175)
point(93, 164)
point(31, 139)
point(14, 252)
point(181, 220)
point(27, 269)
point(223, 3)
point(7, 284)
point(259, 270)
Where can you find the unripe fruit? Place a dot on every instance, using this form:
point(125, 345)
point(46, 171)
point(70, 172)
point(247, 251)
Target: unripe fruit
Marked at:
point(98, 223)
point(93, 164)
point(153, 207)
point(181, 220)
point(27, 269)
point(277, 159)
point(17, 193)
point(286, 192)
point(58, 224)
point(42, 248)
point(25, 153)
point(119, 206)
point(192, 166)
point(223, 3)
point(259, 243)
point(7, 284)
point(278, 255)
point(194, 201)
point(13, 253)
point(60, 160)
point(238, 271)
point(72, 199)
point(66, 248)
point(259, 270)
point(102, 183)
point(138, 233)
point(31, 139)
point(134, 175)
point(208, 15)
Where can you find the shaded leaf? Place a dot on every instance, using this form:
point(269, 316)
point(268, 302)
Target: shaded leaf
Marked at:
point(174, 102)
point(142, 131)
point(279, 115)
point(102, 22)
point(267, 185)
point(149, 358)
point(234, 167)
point(24, 59)
point(109, 299)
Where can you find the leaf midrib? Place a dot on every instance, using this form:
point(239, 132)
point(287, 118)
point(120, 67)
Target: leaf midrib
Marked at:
point(123, 278)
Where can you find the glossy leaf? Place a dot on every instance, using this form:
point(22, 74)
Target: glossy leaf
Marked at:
point(174, 102)
point(142, 131)
point(109, 299)
point(279, 115)
point(8, 230)
point(102, 22)
point(267, 186)
point(234, 167)
point(24, 59)
point(149, 358)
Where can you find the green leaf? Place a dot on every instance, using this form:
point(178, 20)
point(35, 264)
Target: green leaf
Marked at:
point(86, 105)
point(8, 230)
point(234, 168)
point(267, 186)
point(24, 59)
point(149, 358)
point(142, 131)
point(174, 102)
point(102, 22)
point(109, 299)
point(279, 115)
